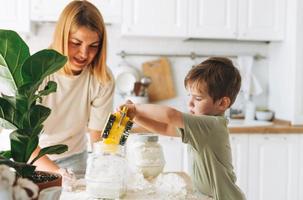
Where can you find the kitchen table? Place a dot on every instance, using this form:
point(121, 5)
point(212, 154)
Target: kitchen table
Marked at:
point(167, 186)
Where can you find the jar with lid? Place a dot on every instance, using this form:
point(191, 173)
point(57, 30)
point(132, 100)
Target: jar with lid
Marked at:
point(106, 172)
point(145, 154)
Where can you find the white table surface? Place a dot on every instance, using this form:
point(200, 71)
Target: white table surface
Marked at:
point(148, 191)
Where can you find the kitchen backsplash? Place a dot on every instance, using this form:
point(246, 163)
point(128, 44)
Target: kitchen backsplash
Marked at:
point(42, 34)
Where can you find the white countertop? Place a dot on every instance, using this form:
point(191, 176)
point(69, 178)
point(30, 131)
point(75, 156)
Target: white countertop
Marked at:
point(167, 186)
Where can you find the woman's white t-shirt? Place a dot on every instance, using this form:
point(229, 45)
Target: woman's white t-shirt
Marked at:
point(80, 102)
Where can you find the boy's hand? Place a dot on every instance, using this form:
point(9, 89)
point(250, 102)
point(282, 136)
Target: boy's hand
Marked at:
point(131, 109)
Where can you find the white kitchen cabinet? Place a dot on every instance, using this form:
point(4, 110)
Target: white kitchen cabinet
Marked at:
point(110, 9)
point(173, 149)
point(268, 165)
point(213, 19)
point(14, 15)
point(239, 146)
point(273, 167)
point(155, 18)
point(261, 19)
point(231, 19)
point(45, 10)
point(300, 189)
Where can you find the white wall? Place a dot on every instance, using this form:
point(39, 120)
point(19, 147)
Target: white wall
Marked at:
point(42, 36)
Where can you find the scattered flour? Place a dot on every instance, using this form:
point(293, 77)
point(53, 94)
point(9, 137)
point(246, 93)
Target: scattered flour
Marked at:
point(167, 186)
point(173, 185)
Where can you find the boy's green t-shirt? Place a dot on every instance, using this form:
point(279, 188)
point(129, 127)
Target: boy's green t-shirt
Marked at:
point(209, 154)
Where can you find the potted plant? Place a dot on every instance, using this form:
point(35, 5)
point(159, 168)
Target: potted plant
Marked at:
point(21, 75)
point(13, 187)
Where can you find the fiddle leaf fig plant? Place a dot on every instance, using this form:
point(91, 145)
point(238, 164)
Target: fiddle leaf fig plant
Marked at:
point(20, 76)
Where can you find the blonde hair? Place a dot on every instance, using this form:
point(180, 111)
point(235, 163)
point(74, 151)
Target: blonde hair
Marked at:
point(82, 14)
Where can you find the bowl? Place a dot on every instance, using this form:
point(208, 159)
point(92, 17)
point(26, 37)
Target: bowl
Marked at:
point(264, 115)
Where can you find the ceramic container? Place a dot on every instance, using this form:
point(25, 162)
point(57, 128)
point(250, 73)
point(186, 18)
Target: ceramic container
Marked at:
point(264, 115)
point(145, 155)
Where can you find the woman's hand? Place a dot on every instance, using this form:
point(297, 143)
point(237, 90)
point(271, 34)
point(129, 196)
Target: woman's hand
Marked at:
point(68, 179)
point(131, 109)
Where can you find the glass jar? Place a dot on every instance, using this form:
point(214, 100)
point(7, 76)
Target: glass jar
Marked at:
point(145, 154)
point(106, 172)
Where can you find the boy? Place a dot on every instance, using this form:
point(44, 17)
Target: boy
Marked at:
point(213, 86)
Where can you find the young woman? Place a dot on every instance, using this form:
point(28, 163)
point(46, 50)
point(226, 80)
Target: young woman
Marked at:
point(85, 87)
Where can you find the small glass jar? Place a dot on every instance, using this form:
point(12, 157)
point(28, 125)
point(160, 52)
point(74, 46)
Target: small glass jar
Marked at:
point(145, 154)
point(106, 172)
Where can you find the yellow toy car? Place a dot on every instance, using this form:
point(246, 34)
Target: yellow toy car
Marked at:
point(117, 128)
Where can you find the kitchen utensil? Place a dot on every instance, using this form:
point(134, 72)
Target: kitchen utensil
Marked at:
point(137, 88)
point(126, 76)
point(145, 82)
point(162, 86)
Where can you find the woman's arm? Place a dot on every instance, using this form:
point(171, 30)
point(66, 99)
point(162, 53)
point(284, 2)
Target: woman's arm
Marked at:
point(94, 135)
point(44, 163)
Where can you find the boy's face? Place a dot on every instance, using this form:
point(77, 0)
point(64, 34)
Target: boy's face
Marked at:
point(200, 103)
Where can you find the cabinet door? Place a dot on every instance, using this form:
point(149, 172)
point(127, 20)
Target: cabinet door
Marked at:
point(173, 152)
point(45, 10)
point(273, 167)
point(14, 15)
point(262, 19)
point(155, 18)
point(239, 147)
point(110, 10)
point(213, 18)
point(301, 168)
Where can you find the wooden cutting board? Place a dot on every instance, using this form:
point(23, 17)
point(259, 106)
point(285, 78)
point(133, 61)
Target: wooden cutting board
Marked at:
point(162, 86)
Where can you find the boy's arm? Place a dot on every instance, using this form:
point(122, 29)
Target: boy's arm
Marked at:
point(155, 126)
point(160, 113)
point(157, 118)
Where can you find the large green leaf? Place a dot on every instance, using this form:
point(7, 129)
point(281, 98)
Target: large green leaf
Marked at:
point(38, 114)
point(7, 114)
point(2, 61)
point(40, 65)
point(8, 85)
point(56, 149)
point(30, 93)
point(23, 143)
point(31, 146)
point(6, 154)
point(14, 51)
point(13, 112)
point(50, 87)
point(19, 142)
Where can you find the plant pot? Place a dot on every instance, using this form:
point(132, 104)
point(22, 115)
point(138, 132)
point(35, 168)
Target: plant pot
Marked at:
point(46, 179)
point(49, 184)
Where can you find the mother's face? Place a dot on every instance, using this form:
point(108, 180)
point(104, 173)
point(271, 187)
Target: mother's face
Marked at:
point(83, 46)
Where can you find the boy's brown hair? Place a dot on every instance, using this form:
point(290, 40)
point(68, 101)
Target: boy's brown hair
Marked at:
point(222, 78)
